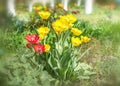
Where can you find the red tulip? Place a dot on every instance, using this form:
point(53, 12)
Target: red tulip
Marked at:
point(39, 48)
point(33, 39)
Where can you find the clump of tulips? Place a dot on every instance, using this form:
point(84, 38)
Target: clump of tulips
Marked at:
point(33, 41)
point(57, 47)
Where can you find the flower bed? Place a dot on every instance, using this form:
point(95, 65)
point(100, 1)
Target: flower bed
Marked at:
point(57, 45)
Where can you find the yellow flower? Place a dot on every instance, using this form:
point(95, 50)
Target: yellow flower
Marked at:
point(64, 19)
point(37, 7)
point(71, 18)
point(68, 19)
point(43, 31)
point(76, 41)
point(71, 25)
point(85, 39)
point(47, 47)
point(76, 31)
point(59, 26)
point(42, 36)
point(64, 23)
point(44, 14)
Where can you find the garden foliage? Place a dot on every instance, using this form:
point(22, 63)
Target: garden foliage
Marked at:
point(57, 45)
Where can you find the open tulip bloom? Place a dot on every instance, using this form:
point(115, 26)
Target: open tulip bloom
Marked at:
point(58, 48)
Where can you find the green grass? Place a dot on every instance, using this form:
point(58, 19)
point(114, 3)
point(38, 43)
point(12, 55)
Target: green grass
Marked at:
point(104, 26)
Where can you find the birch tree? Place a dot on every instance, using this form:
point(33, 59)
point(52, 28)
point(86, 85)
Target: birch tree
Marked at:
point(30, 6)
point(88, 6)
point(78, 3)
point(11, 7)
point(52, 3)
point(66, 5)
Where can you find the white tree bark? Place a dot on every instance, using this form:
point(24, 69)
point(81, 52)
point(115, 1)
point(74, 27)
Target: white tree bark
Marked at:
point(11, 7)
point(52, 3)
point(88, 6)
point(30, 7)
point(66, 5)
point(78, 3)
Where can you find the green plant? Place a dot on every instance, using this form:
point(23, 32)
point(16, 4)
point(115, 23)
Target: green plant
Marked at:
point(22, 70)
point(57, 47)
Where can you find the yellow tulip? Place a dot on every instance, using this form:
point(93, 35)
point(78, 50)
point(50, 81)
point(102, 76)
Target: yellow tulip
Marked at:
point(85, 39)
point(43, 31)
point(44, 14)
point(42, 36)
point(76, 41)
point(68, 20)
point(64, 18)
point(71, 18)
point(76, 31)
point(64, 23)
point(47, 47)
point(59, 26)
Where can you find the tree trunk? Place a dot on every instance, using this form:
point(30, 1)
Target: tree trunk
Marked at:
point(30, 7)
point(11, 7)
point(66, 5)
point(78, 3)
point(52, 3)
point(88, 6)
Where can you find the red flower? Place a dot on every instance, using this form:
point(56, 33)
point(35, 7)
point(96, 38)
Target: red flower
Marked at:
point(33, 39)
point(39, 48)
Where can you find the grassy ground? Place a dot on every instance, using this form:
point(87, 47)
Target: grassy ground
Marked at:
point(104, 56)
point(105, 53)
